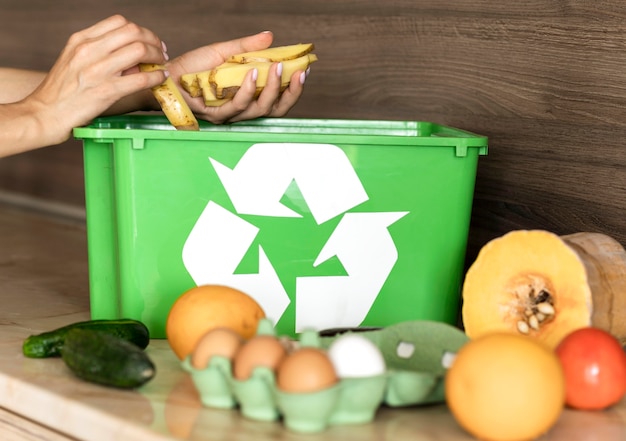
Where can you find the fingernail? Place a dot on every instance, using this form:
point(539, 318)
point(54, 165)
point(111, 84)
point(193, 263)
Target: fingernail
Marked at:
point(279, 69)
point(308, 71)
point(255, 74)
point(164, 49)
point(166, 73)
point(302, 77)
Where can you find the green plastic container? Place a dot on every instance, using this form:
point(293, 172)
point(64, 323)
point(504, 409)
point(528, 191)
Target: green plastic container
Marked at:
point(327, 223)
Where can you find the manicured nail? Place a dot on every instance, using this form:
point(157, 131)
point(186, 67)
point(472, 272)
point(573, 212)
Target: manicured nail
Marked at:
point(164, 49)
point(166, 73)
point(302, 77)
point(279, 69)
point(308, 71)
point(255, 74)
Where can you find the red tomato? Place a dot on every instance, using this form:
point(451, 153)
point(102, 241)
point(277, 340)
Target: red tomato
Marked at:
point(594, 364)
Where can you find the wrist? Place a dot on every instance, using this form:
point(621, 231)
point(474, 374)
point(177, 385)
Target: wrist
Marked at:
point(25, 126)
point(47, 127)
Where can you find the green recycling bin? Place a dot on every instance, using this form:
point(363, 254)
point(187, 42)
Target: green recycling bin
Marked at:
point(326, 223)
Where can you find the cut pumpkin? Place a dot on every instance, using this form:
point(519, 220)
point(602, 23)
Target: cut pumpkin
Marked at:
point(537, 283)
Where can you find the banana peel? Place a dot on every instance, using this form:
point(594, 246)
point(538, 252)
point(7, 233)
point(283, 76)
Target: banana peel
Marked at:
point(220, 84)
point(206, 90)
point(227, 80)
point(172, 103)
point(274, 54)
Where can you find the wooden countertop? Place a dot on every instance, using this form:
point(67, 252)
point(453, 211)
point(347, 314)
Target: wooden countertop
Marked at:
point(44, 285)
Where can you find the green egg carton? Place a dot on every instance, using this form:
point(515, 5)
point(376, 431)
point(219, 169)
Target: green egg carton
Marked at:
point(416, 354)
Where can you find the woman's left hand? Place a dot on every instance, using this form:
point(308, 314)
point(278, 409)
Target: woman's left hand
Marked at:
point(271, 102)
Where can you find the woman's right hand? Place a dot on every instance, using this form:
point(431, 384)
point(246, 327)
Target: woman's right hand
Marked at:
point(97, 68)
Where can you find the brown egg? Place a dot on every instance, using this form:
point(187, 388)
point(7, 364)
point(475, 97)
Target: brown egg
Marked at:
point(224, 342)
point(307, 369)
point(260, 350)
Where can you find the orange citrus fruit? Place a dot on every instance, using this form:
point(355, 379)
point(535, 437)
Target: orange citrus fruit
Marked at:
point(205, 307)
point(505, 387)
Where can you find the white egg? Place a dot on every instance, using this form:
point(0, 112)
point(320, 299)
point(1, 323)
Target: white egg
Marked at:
point(354, 356)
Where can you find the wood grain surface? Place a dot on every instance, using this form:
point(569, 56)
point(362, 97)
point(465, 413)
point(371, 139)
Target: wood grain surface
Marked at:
point(544, 80)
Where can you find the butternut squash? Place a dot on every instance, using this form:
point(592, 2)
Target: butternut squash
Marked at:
point(537, 283)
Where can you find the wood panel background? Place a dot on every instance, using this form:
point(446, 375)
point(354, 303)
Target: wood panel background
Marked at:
point(544, 80)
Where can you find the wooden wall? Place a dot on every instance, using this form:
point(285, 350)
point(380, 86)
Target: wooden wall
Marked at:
point(545, 80)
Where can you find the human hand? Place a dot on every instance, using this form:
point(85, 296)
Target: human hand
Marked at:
point(244, 105)
point(97, 68)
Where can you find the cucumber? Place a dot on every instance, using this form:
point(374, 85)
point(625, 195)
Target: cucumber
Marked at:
point(49, 344)
point(105, 359)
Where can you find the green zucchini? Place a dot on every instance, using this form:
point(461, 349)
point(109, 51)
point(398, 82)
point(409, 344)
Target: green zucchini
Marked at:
point(105, 359)
point(49, 344)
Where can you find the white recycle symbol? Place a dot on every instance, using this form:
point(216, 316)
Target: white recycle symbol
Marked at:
point(361, 241)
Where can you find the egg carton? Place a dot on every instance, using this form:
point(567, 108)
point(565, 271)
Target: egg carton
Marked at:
point(416, 356)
